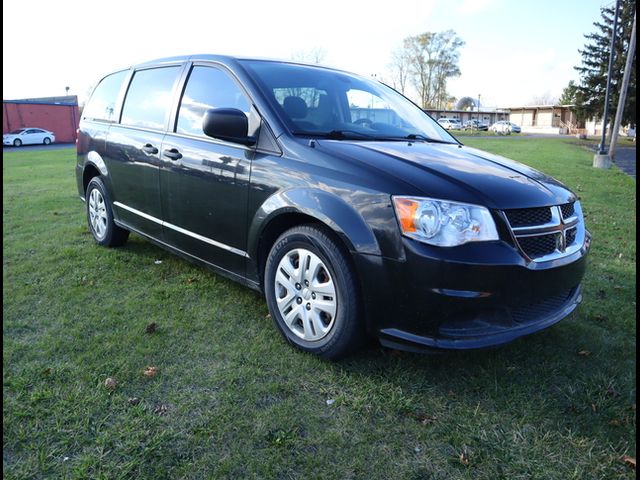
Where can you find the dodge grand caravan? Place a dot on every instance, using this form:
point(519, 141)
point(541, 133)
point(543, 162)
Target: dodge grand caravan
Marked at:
point(350, 208)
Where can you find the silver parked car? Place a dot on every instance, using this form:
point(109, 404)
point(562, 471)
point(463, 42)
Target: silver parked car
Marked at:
point(505, 128)
point(28, 136)
point(450, 123)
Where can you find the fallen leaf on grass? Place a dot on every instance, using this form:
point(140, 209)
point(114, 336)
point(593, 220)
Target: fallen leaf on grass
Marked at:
point(268, 315)
point(427, 419)
point(110, 383)
point(134, 401)
point(191, 280)
point(464, 457)
point(158, 262)
point(615, 423)
point(629, 461)
point(161, 409)
point(46, 371)
point(584, 353)
point(150, 372)
point(331, 401)
point(601, 318)
point(151, 328)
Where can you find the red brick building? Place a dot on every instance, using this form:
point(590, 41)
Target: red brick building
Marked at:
point(59, 115)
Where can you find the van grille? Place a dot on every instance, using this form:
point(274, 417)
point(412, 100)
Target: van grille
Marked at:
point(568, 210)
point(545, 233)
point(539, 246)
point(525, 217)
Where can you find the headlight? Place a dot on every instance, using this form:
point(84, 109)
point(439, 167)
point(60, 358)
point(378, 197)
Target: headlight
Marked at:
point(443, 223)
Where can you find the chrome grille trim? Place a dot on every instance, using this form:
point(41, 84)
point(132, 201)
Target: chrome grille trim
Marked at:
point(560, 226)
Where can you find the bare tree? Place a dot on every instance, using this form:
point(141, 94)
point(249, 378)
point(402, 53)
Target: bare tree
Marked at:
point(399, 70)
point(312, 55)
point(432, 59)
point(545, 99)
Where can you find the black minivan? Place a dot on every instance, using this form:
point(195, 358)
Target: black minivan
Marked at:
point(352, 210)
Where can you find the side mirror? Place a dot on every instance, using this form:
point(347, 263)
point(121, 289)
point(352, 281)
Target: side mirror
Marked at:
point(228, 124)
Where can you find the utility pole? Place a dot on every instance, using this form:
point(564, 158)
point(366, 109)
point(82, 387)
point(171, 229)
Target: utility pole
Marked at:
point(623, 91)
point(601, 159)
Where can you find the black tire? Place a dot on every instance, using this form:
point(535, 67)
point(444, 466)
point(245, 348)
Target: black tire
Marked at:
point(107, 234)
point(346, 331)
point(17, 142)
point(47, 141)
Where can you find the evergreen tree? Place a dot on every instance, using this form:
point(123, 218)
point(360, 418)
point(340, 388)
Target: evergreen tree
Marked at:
point(572, 95)
point(595, 60)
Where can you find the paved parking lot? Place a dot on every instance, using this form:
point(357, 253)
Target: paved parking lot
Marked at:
point(626, 160)
point(53, 146)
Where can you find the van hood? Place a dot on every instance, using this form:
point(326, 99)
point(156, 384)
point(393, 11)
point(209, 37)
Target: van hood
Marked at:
point(455, 172)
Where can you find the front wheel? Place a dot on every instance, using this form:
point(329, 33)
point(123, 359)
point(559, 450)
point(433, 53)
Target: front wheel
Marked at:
point(312, 292)
point(17, 142)
point(47, 141)
point(100, 216)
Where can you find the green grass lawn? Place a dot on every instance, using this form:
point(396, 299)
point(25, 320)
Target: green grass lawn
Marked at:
point(231, 400)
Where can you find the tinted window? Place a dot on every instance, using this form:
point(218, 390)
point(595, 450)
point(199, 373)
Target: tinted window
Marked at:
point(148, 99)
point(102, 104)
point(207, 88)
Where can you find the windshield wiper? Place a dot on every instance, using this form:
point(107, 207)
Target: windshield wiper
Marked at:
point(424, 138)
point(338, 134)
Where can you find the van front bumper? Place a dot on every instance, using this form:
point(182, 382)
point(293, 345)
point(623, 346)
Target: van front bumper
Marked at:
point(467, 297)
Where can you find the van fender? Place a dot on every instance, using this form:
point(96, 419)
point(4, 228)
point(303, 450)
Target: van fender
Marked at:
point(325, 207)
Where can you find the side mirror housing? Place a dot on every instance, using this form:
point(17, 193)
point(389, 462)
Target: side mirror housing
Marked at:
point(228, 124)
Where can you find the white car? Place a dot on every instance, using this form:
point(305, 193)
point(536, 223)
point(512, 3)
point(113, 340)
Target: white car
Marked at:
point(28, 136)
point(450, 123)
point(504, 127)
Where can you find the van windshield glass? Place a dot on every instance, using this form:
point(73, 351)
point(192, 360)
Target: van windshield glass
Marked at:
point(316, 101)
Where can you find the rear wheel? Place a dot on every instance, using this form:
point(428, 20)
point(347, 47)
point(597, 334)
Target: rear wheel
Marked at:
point(100, 216)
point(312, 293)
point(47, 141)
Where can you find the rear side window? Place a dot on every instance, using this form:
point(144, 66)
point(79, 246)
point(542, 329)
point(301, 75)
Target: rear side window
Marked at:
point(207, 88)
point(102, 104)
point(148, 99)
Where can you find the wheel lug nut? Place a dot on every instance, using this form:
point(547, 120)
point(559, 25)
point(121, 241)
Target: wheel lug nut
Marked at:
point(308, 306)
point(306, 283)
point(313, 295)
point(298, 286)
point(299, 300)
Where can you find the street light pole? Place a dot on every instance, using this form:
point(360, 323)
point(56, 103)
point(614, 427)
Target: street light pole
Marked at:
point(622, 96)
point(601, 159)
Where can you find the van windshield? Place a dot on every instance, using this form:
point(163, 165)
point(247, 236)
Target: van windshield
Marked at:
point(321, 102)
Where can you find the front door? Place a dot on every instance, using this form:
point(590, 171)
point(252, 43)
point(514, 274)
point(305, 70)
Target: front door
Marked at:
point(204, 182)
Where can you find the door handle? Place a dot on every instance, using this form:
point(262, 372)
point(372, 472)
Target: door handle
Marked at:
point(148, 148)
point(173, 154)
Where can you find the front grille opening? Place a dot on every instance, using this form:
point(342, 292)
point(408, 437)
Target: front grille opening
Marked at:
point(535, 311)
point(571, 236)
point(538, 246)
point(526, 217)
point(568, 210)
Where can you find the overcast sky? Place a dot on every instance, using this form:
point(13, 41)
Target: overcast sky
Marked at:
point(514, 51)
